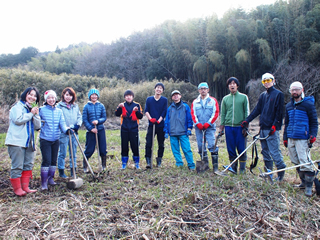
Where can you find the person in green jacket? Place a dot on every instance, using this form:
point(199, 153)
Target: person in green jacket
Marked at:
point(234, 109)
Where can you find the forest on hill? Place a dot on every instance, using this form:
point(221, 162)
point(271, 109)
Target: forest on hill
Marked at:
point(282, 38)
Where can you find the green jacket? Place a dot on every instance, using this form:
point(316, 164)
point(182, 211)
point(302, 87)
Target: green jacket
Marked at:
point(234, 109)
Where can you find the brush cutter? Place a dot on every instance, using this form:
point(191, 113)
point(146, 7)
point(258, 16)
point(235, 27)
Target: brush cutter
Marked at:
point(75, 182)
point(85, 158)
point(228, 168)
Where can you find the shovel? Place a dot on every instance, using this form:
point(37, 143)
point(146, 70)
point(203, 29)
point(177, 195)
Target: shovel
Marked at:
point(75, 182)
point(202, 166)
point(85, 158)
point(227, 168)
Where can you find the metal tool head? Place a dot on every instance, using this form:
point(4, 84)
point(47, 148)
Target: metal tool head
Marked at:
point(221, 173)
point(202, 166)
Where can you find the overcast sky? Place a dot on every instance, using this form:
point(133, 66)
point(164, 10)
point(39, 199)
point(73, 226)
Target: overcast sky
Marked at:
point(46, 24)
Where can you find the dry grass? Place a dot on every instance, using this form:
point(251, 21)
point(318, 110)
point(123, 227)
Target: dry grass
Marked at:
point(165, 203)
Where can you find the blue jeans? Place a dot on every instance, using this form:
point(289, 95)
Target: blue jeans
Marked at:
point(271, 149)
point(175, 142)
point(236, 142)
point(209, 139)
point(64, 143)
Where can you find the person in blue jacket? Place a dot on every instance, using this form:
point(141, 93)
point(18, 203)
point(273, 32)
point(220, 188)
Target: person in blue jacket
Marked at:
point(93, 117)
point(53, 123)
point(24, 119)
point(178, 125)
point(270, 107)
point(130, 113)
point(300, 132)
point(73, 118)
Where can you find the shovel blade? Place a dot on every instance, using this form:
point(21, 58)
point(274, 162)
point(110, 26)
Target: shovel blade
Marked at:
point(202, 166)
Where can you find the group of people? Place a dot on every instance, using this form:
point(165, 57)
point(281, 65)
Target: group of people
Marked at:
point(59, 123)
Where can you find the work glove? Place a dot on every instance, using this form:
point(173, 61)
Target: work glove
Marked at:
point(153, 120)
point(75, 128)
point(312, 139)
point(244, 124)
point(189, 132)
point(200, 126)
point(69, 131)
point(285, 143)
point(272, 130)
point(124, 111)
point(157, 122)
point(205, 126)
point(133, 116)
point(244, 132)
point(166, 135)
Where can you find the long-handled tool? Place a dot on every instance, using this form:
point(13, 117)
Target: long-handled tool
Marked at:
point(255, 138)
point(152, 144)
point(75, 182)
point(84, 157)
point(97, 145)
point(202, 166)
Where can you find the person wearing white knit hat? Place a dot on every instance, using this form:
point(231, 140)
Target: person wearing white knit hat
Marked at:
point(300, 132)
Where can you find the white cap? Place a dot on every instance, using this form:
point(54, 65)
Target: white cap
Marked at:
point(267, 76)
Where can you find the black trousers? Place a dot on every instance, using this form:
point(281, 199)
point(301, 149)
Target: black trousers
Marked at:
point(133, 139)
point(49, 152)
point(160, 138)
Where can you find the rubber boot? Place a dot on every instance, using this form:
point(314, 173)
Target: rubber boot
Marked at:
point(71, 171)
point(302, 185)
point(148, 160)
point(16, 184)
point(280, 176)
point(104, 162)
point(85, 166)
point(159, 161)
point(124, 162)
point(61, 173)
point(52, 170)
point(136, 161)
point(309, 177)
point(243, 167)
point(25, 180)
point(214, 157)
point(44, 178)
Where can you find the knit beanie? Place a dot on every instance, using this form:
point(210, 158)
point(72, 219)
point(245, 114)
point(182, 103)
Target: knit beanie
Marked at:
point(203, 85)
point(50, 92)
point(236, 81)
point(128, 92)
point(92, 91)
point(159, 84)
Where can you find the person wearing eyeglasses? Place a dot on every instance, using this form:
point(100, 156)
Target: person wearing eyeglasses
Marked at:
point(300, 132)
point(204, 112)
point(270, 107)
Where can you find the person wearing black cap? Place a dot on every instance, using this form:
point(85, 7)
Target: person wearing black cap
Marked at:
point(155, 110)
point(178, 125)
point(130, 113)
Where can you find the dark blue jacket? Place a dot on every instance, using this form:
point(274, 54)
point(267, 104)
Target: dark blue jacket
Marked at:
point(127, 124)
point(93, 112)
point(178, 119)
point(270, 107)
point(301, 119)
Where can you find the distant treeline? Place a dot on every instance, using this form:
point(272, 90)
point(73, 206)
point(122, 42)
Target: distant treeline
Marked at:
point(282, 38)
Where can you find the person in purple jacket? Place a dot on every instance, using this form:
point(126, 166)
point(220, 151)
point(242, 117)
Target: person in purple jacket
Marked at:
point(52, 122)
point(156, 110)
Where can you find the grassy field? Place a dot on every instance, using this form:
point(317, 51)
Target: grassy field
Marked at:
point(162, 203)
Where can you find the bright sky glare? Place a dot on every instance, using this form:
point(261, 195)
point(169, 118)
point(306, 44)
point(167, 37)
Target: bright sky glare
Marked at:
point(46, 24)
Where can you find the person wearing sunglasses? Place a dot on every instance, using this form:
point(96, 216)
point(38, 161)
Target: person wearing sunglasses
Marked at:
point(270, 107)
point(300, 132)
